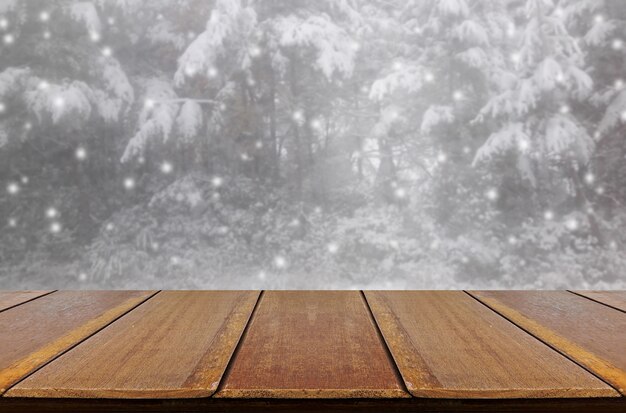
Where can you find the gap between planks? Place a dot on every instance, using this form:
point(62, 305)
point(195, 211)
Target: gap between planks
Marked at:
point(28, 301)
point(78, 342)
point(556, 349)
point(243, 336)
point(596, 301)
point(384, 344)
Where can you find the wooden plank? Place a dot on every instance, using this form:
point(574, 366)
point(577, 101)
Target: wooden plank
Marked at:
point(10, 299)
point(448, 345)
point(177, 345)
point(312, 344)
point(587, 332)
point(36, 332)
point(615, 299)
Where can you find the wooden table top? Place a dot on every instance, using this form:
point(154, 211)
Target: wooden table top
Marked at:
point(312, 350)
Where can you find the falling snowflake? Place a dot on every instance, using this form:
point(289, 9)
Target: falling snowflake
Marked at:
point(129, 183)
point(217, 181)
point(491, 194)
point(280, 262)
point(80, 153)
point(333, 247)
point(59, 102)
point(167, 168)
point(523, 145)
point(572, 224)
point(44, 16)
point(548, 215)
point(298, 116)
point(13, 188)
point(316, 124)
point(52, 212)
point(617, 44)
point(55, 227)
point(400, 193)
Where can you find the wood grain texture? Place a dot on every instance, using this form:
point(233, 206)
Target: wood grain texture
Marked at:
point(312, 344)
point(615, 299)
point(587, 332)
point(36, 332)
point(10, 299)
point(448, 345)
point(177, 345)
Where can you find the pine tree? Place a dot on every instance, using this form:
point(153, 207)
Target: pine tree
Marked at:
point(540, 107)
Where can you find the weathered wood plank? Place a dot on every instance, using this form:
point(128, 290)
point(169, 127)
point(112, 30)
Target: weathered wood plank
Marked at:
point(448, 345)
point(312, 344)
point(36, 332)
point(177, 345)
point(615, 299)
point(10, 299)
point(587, 332)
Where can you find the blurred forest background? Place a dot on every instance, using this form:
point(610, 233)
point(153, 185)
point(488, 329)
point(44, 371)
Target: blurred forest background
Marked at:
point(313, 144)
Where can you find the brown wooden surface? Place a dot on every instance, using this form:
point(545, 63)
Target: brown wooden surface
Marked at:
point(311, 344)
point(10, 299)
point(615, 299)
point(177, 345)
point(448, 345)
point(34, 333)
point(589, 333)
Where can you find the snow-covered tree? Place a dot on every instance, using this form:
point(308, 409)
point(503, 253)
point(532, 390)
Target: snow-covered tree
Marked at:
point(538, 107)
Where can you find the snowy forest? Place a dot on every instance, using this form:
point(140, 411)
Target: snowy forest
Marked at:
point(313, 144)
